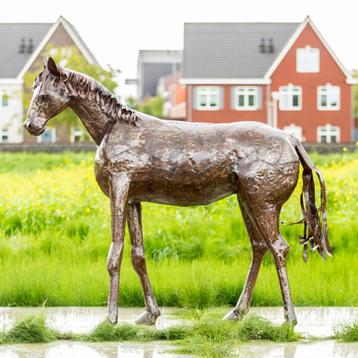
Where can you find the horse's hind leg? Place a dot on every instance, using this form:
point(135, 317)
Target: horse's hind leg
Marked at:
point(266, 218)
point(259, 249)
point(138, 260)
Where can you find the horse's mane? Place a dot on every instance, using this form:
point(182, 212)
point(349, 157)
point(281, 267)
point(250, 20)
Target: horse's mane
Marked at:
point(84, 86)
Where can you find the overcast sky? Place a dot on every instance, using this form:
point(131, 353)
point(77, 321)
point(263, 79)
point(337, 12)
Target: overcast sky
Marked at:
point(116, 30)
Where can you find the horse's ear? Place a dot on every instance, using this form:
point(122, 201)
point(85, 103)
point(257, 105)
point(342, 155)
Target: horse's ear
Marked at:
point(51, 66)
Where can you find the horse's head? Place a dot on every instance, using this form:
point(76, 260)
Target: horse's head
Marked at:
point(50, 97)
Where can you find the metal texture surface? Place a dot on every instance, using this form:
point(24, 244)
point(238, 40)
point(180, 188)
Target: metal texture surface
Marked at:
point(142, 158)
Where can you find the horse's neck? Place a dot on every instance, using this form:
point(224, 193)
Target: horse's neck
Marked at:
point(91, 116)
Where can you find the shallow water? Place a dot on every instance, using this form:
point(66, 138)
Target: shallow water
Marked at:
point(326, 349)
point(313, 321)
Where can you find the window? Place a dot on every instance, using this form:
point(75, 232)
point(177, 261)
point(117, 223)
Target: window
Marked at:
point(4, 100)
point(48, 136)
point(290, 98)
point(328, 98)
point(328, 134)
point(307, 60)
point(245, 98)
point(294, 130)
point(4, 135)
point(208, 98)
point(76, 135)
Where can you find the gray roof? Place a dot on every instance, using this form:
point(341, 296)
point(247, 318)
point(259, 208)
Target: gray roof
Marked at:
point(86, 48)
point(11, 35)
point(11, 61)
point(231, 50)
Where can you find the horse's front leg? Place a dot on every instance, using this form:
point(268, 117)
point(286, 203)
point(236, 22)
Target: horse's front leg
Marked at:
point(138, 260)
point(118, 194)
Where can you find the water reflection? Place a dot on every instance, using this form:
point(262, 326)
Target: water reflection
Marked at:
point(86, 350)
point(324, 349)
point(312, 321)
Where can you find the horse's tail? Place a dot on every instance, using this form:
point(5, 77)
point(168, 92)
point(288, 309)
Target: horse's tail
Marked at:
point(315, 220)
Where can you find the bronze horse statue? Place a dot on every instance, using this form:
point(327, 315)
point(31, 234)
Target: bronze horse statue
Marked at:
point(143, 158)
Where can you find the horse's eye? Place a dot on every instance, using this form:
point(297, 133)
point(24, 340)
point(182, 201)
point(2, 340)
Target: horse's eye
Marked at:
point(44, 97)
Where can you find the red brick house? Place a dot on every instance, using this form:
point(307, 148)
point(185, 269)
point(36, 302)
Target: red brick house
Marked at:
point(283, 74)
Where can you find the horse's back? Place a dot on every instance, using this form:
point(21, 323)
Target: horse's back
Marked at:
point(185, 163)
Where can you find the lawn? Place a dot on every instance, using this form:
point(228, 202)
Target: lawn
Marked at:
point(55, 234)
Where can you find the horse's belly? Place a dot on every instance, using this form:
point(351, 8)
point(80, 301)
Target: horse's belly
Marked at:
point(183, 188)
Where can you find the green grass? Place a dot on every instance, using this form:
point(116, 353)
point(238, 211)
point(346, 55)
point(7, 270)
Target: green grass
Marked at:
point(31, 329)
point(55, 235)
point(347, 332)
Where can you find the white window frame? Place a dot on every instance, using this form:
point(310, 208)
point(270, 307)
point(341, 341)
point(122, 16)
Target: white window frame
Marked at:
point(76, 132)
point(328, 131)
point(330, 92)
point(292, 129)
point(208, 91)
point(290, 90)
point(307, 60)
point(53, 136)
point(6, 130)
point(246, 92)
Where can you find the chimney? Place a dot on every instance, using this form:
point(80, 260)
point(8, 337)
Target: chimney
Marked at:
point(271, 47)
point(22, 47)
point(30, 46)
point(262, 46)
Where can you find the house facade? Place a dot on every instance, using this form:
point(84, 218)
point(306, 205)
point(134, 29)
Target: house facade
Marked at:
point(174, 95)
point(22, 46)
point(282, 74)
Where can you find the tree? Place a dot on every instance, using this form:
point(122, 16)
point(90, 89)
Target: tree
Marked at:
point(69, 57)
point(151, 105)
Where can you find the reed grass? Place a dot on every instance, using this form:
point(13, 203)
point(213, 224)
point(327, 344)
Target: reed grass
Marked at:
point(55, 234)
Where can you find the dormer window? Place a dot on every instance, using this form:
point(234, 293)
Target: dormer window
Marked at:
point(307, 60)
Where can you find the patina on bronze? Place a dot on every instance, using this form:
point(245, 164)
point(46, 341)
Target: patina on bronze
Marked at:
point(142, 158)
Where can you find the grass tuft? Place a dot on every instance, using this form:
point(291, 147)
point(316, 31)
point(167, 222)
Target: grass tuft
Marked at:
point(32, 329)
point(347, 332)
point(217, 338)
point(106, 331)
point(255, 327)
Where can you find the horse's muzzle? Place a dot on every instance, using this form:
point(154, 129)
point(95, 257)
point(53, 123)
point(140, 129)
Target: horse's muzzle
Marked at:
point(33, 128)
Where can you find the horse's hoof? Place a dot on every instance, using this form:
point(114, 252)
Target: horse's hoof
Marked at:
point(113, 317)
point(291, 323)
point(147, 318)
point(233, 316)
point(236, 314)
